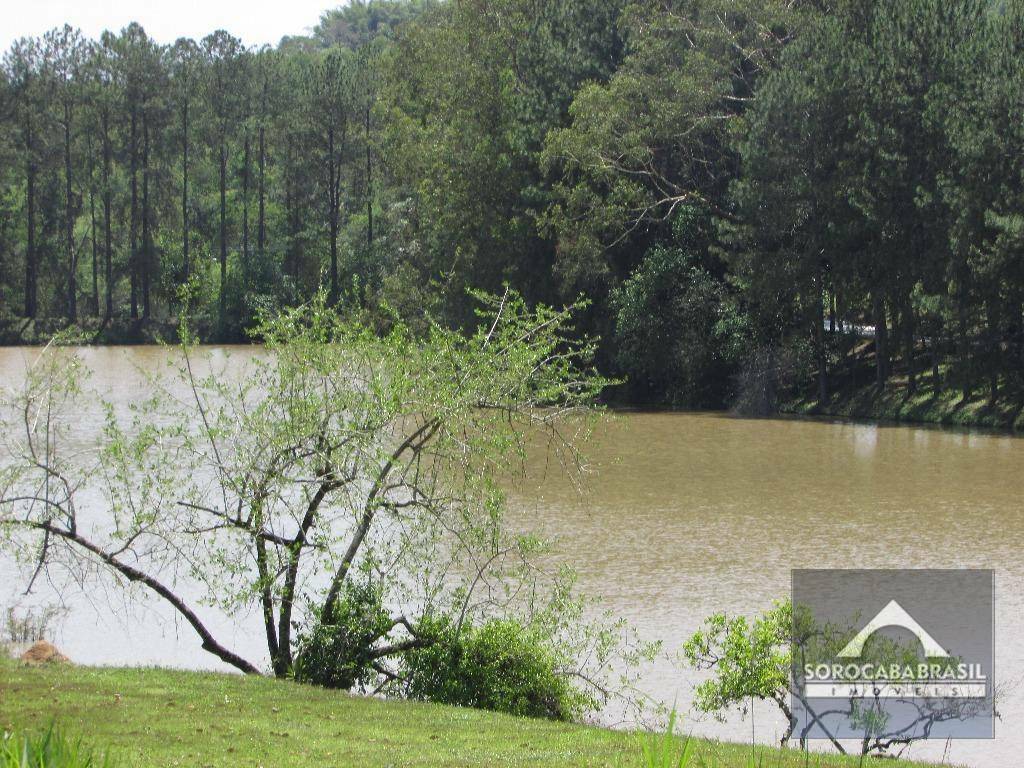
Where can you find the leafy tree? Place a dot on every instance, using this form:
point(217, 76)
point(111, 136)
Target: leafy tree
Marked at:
point(223, 55)
point(341, 453)
point(657, 135)
point(678, 332)
point(328, 110)
point(471, 92)
point(766, 658)
point(358, 23)
point(23, 71)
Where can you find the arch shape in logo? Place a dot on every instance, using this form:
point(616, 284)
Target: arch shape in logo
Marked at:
point(893, 615)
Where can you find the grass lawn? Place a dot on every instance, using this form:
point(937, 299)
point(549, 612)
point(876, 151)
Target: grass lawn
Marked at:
point(152, 718)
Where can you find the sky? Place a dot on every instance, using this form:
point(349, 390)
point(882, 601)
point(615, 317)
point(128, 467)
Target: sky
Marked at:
point(254, 21)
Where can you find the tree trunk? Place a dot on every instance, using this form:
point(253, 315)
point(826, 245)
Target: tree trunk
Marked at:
point(881, 343)
point(369, 183)
point(222, 308)
point(30, 248)
point(261, 227)
point(95, 250)
point(245, 205)
point(133, 256)
point(908, 346)
point(184, 191)
point(963, 343)
point(819, 339)
point(994, 353)
point(107, 229)
point(69, 223)
point(146, 267)
point(333, 193)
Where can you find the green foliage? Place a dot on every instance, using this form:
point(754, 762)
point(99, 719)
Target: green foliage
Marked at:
point(678, 331)
point(337, 652)
point(656, 135)
point(750, 659)
point(501, 664)
point(366, 476)
point(51, 749)
point(663, 750)
point(362, 21)
point(855, 162)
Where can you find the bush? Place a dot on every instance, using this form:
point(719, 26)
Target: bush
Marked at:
point(337, 651)
point(50, 750)
point(500, 665)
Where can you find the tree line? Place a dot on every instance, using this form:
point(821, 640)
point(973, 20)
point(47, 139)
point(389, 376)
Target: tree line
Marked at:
point(750, 193)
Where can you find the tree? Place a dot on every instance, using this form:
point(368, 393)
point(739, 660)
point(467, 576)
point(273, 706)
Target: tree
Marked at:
point(657, 135)
point(843, 167)
point(65, 55)
point(328, 111)
point(678, 332)
point(340, 456)
point(22, 66)
point(471, 90)
point(141, 84)
point(223, 61)
point(363, 21)
point(104, 103)
point(185, 78)
point(767, 658)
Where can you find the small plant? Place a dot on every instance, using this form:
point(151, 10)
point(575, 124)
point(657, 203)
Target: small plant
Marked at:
point(50, 750)
point(662, 750)
point(31, 624)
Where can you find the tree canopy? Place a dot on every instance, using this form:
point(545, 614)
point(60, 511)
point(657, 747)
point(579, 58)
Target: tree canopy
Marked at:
point(841, 182)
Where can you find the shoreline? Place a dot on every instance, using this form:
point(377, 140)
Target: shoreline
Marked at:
point(944, 409)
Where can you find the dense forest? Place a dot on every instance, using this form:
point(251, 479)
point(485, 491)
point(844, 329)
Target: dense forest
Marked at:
point(750, 194)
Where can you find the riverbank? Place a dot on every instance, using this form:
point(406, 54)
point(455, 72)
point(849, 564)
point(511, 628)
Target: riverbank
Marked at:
point(894, 404)
point(19, 332)
point(150, 718)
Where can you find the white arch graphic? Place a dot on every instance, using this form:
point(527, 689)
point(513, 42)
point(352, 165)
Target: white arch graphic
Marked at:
point(893, 615)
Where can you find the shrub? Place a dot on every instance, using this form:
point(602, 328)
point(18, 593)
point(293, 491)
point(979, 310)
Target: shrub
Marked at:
point(501, 665)
point(50, 750)
point(338, 651)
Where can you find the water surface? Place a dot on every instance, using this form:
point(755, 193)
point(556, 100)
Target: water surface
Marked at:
point(687, 514)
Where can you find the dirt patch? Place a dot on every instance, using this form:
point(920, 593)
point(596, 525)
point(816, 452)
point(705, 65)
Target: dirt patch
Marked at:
point(43, 652)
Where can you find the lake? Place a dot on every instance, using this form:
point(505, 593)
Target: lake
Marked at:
point(686, 514)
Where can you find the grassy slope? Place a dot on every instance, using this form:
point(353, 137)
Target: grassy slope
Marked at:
point(153, 717)
point(926, 406)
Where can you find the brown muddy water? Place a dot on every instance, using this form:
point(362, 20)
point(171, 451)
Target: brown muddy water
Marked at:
point(685, 514)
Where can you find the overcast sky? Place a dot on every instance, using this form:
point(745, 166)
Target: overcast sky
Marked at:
point(254, 21)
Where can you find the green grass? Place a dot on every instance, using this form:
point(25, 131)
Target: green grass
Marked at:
point(49, 749)
point(154, 717)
